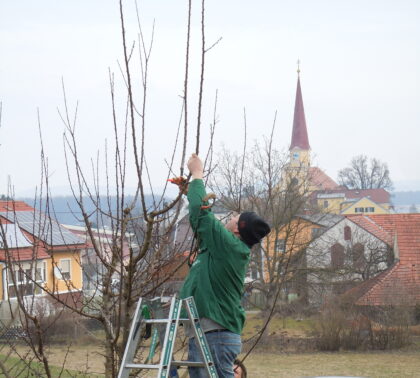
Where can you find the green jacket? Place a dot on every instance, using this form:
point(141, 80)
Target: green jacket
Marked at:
point(216, 278)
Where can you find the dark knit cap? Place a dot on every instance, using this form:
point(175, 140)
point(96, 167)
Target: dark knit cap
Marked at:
point(252, 228)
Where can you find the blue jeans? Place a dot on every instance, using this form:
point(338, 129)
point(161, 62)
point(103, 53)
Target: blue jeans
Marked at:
point(224, 347)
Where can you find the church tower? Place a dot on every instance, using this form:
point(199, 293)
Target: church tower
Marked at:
point(299, 146)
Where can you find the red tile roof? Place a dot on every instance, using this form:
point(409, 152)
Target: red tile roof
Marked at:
point(357, 292)
point(299, 132)
point(15, 206)
point(400, 284)
point(369, 225)
point(321, 180)
point(23, 254)
point(376, 195)
point(407, 229)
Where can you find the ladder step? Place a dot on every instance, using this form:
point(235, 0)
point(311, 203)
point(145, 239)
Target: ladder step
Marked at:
point(188, 363)
point(188, 320)
point(156, 321)
point(141, 366)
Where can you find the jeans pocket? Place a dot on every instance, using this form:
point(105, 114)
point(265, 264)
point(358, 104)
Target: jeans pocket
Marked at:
point(229, 347)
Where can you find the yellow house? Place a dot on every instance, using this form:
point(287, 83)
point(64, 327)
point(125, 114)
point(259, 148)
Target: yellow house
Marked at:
point(353, 201)
point(364, 205)
point(38, 256)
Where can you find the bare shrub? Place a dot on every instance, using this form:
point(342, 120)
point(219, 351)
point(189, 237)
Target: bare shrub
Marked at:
point(60, 327)
point(328, 328)
point(391, 330)
point(342, 326)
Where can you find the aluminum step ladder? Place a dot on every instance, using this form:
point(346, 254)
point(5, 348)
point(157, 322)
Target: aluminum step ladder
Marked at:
point(167, 362)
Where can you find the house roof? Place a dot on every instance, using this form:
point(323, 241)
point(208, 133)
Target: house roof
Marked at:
point(357, 292)
point(15, 206)
point(325, 220)
point(377, 195)
point(24, 254)
point(13, 237)
point(399, 284)
point(30, 233)
point(42, 226)
point(321, 180)
point(369, 225)
point(299, 132)
point(407, 229)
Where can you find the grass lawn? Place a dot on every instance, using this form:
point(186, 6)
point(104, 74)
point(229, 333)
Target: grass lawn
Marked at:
point(372, 365)
point(274, 364)
point(399, 364)
point(293, 327)
point(15, 367)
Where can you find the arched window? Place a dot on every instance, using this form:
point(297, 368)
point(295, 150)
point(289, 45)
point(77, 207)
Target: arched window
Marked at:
point(347, 233)
point(337, 256)
point(359, 260)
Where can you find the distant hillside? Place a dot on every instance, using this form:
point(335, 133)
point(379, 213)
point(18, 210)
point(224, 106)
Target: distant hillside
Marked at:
point(67, 211)
point(405, 198)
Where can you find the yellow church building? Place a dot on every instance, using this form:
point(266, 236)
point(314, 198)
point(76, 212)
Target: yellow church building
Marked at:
point(325, 194)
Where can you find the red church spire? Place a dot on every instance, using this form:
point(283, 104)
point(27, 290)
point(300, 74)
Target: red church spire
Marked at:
point(299, 133)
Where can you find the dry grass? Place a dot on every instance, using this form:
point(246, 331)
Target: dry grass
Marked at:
point(380, 365)
point(277, 325)
point(87, 358)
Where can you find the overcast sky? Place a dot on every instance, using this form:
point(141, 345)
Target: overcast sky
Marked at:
point(359, 74)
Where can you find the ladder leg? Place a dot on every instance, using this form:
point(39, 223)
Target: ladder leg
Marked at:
point(200, 337)
point(132, 342)
point(170, 335)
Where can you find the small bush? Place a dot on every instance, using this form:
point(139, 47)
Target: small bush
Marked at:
point(328, 328)
point(346, 327)
point(60, 325)
point(384, 338)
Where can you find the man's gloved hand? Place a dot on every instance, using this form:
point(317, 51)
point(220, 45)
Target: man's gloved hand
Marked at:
point(195, 165)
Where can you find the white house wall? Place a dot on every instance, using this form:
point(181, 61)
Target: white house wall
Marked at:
point(319, 251)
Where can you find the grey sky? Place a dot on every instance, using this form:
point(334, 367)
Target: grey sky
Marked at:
point(360, 79)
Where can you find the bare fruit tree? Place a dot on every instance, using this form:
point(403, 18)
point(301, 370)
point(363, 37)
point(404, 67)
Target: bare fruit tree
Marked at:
point(124, 263)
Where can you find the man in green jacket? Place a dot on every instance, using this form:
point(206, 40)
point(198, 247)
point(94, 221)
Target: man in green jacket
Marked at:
point(216, 278)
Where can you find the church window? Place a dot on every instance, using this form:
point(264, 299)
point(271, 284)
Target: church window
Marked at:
point(325, 204)
point(347, 233)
